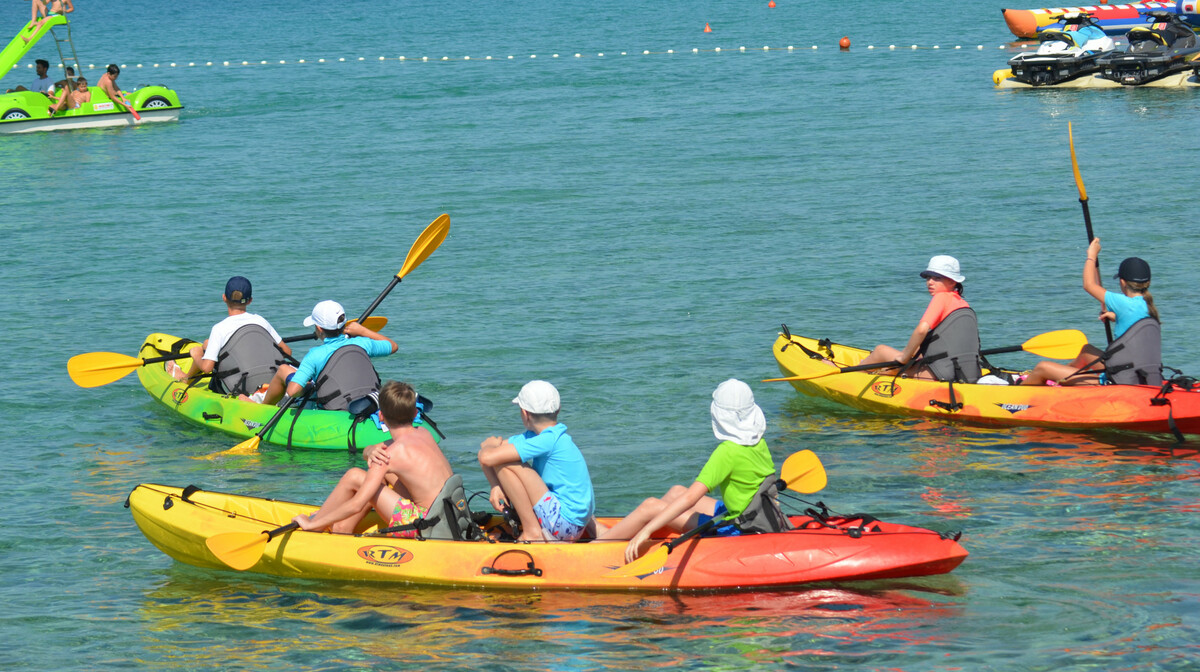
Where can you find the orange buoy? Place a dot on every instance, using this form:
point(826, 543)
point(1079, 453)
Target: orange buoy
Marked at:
point(771, 4)
point(844, 43)
point(707, 29)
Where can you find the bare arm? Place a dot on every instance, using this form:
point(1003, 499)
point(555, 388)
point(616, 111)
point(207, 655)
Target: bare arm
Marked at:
point(364, 496)
point(356, 329)
point(914, 342)
point(1091, 272)
point(285, 348)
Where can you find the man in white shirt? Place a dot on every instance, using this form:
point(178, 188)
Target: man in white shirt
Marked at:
point(43, 83)
point(237, 298)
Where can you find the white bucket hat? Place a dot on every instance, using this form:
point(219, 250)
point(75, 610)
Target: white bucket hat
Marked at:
point(538, 396)
point(735, 416)
point(327, 315)
point(945, 266)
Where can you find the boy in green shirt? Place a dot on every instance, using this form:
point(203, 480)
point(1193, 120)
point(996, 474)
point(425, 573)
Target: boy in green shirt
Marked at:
point(735, 469)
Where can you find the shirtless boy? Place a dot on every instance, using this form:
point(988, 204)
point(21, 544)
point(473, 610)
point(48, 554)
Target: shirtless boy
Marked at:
point(412, 460)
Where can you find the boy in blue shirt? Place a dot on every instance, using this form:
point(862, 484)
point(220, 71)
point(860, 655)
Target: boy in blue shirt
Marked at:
point(541, 472)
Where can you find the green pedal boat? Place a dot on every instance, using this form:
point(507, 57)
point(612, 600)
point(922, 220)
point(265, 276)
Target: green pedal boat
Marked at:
point(305, 428)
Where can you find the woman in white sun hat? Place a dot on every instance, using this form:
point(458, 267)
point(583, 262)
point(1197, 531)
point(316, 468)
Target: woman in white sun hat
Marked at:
point(957, 348)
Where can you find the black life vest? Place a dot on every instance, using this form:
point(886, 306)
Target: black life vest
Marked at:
point(951, 351)
point(763, 514)
point(346, 377)
point(247, 361)
point(1136, 357)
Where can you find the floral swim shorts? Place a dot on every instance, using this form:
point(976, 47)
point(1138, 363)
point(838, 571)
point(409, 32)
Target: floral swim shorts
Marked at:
point(406, 512)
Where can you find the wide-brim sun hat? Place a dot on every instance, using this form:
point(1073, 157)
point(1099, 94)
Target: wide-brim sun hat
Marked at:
point(735, 416)
point(945, 266)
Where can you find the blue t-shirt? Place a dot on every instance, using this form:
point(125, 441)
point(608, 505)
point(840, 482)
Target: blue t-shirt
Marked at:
point(1129, 309)
point(314, 360)
point(557, 459)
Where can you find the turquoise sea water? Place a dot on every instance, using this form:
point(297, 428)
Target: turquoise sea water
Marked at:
point(633, 228)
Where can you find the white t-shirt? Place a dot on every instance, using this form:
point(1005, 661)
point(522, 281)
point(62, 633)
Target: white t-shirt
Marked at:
point(222, 330)
point(42, 84)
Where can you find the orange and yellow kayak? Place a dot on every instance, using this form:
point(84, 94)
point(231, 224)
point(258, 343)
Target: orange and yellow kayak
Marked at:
point(180, 521)
point(1134, 407)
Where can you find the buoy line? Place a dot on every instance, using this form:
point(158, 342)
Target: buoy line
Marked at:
point(510, 57)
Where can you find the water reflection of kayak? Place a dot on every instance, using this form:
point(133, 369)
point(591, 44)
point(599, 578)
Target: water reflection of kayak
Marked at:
point(836, 549)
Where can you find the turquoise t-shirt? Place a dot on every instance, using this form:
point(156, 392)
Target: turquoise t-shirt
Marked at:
point(559, 462)
point(736, 471)
point(314, 360)
point(1128, 309)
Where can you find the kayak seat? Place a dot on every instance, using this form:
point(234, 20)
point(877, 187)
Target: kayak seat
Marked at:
point(763, 514)
point(1136, 357)
point(449, 517)
point(247, 361)
point(347, 376)
point(951, 351)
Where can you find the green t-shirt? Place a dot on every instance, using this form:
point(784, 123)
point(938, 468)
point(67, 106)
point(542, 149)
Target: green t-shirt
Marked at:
point(736, 471)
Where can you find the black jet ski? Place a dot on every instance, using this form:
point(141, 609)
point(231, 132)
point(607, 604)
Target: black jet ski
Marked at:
point(1063, 53)
point(1166, 46)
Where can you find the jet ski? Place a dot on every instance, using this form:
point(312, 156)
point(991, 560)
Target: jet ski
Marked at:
point(1063, 54)
point(1167, 46)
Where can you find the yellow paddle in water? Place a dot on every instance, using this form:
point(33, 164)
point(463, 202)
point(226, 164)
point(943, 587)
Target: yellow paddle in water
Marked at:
point(243, 550)
point(93, 369)
point(801, 472)
point(422, 247)
point(1061, 344)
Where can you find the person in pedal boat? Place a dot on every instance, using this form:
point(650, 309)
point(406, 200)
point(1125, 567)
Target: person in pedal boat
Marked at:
point(43, 83)
point(411, 461)
point(72, 100)
point(958, 353)
point(541, 472)
point(46, 10)
point(735, 469)
point(1125, 309)
point(328, 320)
point(237, 298)
point(108, 84)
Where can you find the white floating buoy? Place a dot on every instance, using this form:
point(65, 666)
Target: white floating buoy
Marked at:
point(282, 62)
point(553, 55)
point(341, 60)
point(262, 63)
point(891, 46)
point(361, 58)
point(487, 58)
point(814, 47)
point(90, 66)
point(718, 50)
point(936, 47)
point(533, 55)
point(510, 57)
point(913, 46)
point(645, 52)
point(467, 58)
point(381, 58)
point(870, 46)
point(670, 51)
point(301, 61)
point(172, 65)
point(601, 54)
point(320, 60)
point(245, 63)
point(957, 47)
point(790, 47)
point(402, 58)
point(742, 49)
point(207, 63)
point(766, 48)
point(578, 56)
point(138, 65)
point(1001, 47)
point(226, 63)
point(695, 50)
point(980, 47)
point(445, 58)
point(424, 58)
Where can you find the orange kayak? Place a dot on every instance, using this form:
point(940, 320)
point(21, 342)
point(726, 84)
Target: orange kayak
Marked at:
point(1135, 407)
point(179, 522)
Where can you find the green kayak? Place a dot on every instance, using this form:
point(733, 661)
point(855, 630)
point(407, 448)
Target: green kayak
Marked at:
point(307, 428)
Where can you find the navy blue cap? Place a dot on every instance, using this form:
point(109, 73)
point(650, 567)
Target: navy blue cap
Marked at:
point(1133, 269)
point(237, 290)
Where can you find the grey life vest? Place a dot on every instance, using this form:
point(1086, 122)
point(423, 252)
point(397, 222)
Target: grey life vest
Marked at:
point(1136, 357)
point(951, 350)
point(347, 376)
point(449, 517)
point(763, 514)
point(247, 361)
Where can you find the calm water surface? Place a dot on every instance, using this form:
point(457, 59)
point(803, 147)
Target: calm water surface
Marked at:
point(634, 228)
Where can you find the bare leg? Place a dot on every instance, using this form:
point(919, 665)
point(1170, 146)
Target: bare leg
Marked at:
point(881, 354)
point(344, 491)
point(278, 384)
point(651, 507)
point(523, 487)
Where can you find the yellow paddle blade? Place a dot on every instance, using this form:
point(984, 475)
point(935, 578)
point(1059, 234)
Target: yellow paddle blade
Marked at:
point(1075, 167)
point(803, 472)
point(1061, 344)
point(239, 550)
point(647, 564)
point(93, 369)
point(425, 244)
point(246, 447)
point(375, 323)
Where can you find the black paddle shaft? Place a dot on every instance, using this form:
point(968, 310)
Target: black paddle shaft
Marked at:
point(1087, 222)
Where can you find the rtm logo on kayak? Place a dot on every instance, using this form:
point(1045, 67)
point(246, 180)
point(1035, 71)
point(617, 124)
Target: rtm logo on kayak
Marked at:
point(1015, 408)
point(885, 388)
point(180, 396)
point(384, 556)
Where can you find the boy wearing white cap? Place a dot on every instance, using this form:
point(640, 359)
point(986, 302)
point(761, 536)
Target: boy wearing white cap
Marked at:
point(328, 319)
point(541, 472)
point(735, 469)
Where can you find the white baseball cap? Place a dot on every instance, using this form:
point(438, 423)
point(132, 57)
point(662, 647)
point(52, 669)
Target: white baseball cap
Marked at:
point(945, 266)
point(538, 396)
point(327, 315)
